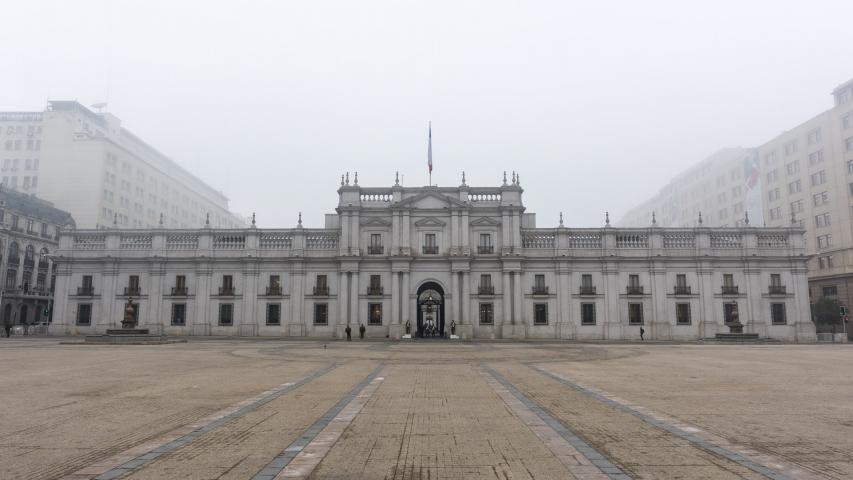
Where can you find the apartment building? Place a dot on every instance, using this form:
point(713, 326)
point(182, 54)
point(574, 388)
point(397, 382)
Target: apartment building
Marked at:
point(89, 165)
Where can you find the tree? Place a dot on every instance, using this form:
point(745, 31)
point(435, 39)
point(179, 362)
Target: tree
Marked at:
point(826, 313)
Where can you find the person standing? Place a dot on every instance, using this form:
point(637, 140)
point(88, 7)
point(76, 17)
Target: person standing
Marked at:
point(349, 333)
point(7, 325)
point(642, 332)
point(361, 331)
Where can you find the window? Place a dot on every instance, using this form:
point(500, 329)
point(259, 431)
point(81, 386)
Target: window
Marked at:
point(11, 279)
point(321, 314)
point(818, 178)
point(87, 282)
point(791, 147)
point(830, 291)
point(847, 120)
point(728, 280)
point(84, 314)
point(820, 198)
point(813, 137)
point(375, 247)
point(822, 220)
point(485, 245)
point(273, 314)
point(777, 313)
point(824, 241)
point(772, 176)
point(375, 286)
point(773, 195)
point(795, 187)
point(487, 314)
point(179, 314)
point(793, 168)
point(775, 280)
point(132, 285)
point(227, 285)
point(226, 314)
point(848, 144)
point(486, 287)
point(635, 313)
point(322, 288)
point(682, 314)
point(816, 157)
point(429, 244)
point(824, 262)
point(587, 314)
point(681, 280)
point(374, 314)
point(797, 207)
point(540, 314)
point(539, 284)
point(586, 280)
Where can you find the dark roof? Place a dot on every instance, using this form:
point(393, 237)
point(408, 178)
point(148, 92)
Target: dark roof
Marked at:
point(31, 206)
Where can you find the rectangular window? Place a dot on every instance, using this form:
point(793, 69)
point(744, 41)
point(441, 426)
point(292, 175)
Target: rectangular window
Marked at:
point(824, 262)
point(226, 314)
point(777, 313)
point(374, 314)
point(818, 178)
point(682, 313)
point(275, 285)
point(728, 280)
point(824, 241)
point(587, 314)
point(539, 282)
point(430, 246)
point(791, 147)
point(772, 176)
point(375, 247)
point(775, 280)
point(586, 280)
point(487, 314)
point(848, 144)
point(795, 187)
point(773, 195)
point(814, 136)
point(820, 198)
point(375, 285)
point(793, 168)
point(227, 282)
point(816, 157)
point(273, 314)
point(635, 313)
point(321, 314)
point(87, 282)
point(540, 314)
point(797, 207)
point(822, 220)
point(830, 291)
point(179, 314)
point(847, 120)
point(485, 245)
point(84, 314)
point(180, 282)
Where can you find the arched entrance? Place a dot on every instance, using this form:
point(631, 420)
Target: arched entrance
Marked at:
point(430, 310)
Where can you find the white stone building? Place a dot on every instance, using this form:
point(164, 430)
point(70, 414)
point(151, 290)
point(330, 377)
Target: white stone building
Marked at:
point(430, 257)
point(89, 165)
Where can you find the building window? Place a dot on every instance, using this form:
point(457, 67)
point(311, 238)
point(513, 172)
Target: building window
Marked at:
point(375, 285)
point(84, 314)
point(321, 287)
point(11, 279)
point(539, 287)
point(797, 207)
point(321, 314)
point(775, 213)
point(824, 262)
point(587, 314)
point(486, 287)
point(830, 291)
point(793, 168)
point(849, 144)
point(682, 313)
point(540, 314)
point(773, 195)
point(824, 241)
point(795, 187)
point(180, 287)
point(273, 314)
point(274, 285)
point(822, 220)
point(635, 313)
point(487, 314)
point(430, 247)
point(791, 147)
point(777, 313)
point(818, 178)
point(813, 137)
point(375, 247)
point(485, 245)
point(772, 176)
point(820, 198)
point(634, 287)
point(179, 314)
point(374, 314)
point(132, 285)
point(226, 314)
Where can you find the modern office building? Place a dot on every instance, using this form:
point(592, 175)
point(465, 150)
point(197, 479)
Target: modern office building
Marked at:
point(464, 260)
point(88, 164)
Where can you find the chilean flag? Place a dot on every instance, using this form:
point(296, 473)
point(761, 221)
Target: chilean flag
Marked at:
point(429, 149)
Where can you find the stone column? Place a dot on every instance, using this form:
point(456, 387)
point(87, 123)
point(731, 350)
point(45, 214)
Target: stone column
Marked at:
point(612, 317)
point(660, 328)
point(406, 241)
point(454, 300)
point(249, 318)
point(466, 321)
point(355, 309)
point(108, 312)
point(564, 295)
point(201, 324)
point(506, 297)
point(343, 305)
point(710, 321)
point(298, 317)
point(465, 227)
point(519, 311)
point(155, 317)
point(755, 287)
point(396, 330)
point(407, 300)
point(395, 233)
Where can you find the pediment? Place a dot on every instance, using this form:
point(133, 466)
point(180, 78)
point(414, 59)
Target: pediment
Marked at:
point(375, 222)
point(485, 222)
point(430, 201)
point(430, 222)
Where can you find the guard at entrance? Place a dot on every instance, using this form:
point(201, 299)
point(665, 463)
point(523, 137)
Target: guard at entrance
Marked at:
point(361, 331)
point(349, 333)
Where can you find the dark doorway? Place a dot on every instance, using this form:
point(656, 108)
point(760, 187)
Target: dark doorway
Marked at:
point(23, 318)
point(430, 311)
point(7, 313)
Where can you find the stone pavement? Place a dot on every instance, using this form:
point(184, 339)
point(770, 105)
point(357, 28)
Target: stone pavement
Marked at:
point(232, 409)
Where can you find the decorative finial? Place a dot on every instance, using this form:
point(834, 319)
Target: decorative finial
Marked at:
point(513, 177)
point(342, 179)
point(606, 219)
point(299, 223)
point(504, 177)
point(463, 177)
point(654, 220)
point(396, 178)
point(700, 218)
point(207, 220)
point(355, 181)
point(746, 217)
point(161, 219)
point(253, 219)
point(561, 219)
point(347, 178)
point(518, 179)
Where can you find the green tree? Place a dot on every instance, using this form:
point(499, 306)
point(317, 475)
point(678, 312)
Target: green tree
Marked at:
point(826, 313)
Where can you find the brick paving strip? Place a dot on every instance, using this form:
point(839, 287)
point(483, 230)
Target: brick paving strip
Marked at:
point(754, 460)
point(135, 457)
point(580, 459)
point(299, 459)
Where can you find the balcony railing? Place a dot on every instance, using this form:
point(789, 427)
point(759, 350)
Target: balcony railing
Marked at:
point(85, 291)
point(132, 291)
point(29, 262)
point(486, 290)
point(375, 250)
point(179, 291)
point(375, 290)
point(540, 290)
point(634, 290)
point(682, 290)
point(430, 249)
point(777, 290)
point(226, 291)
point(321, 291)
point(274, 290)
point(729, 290)
point(587, 290)
point(43, 265)
point(486, 249)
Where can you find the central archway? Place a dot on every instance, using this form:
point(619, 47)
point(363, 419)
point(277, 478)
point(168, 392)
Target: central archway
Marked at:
point(430, 310)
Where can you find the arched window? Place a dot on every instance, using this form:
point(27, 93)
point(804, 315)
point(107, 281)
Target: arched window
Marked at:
point(43, 251)
point(30, 253)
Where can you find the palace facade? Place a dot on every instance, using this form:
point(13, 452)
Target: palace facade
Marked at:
point(463, 260)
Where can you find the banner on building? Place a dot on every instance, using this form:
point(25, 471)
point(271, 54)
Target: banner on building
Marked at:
point(752, 175)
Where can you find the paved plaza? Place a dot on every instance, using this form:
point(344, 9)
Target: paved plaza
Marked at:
point(243, 409)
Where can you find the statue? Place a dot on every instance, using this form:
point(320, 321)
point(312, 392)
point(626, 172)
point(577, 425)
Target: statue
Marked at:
point(452, 327)
point(129, 320)
point(408, 327)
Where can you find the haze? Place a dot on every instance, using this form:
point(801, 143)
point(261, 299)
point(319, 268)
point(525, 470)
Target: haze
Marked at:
point(595, 104)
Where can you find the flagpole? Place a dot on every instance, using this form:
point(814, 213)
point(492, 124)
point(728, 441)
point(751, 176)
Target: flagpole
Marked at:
point(429, 154)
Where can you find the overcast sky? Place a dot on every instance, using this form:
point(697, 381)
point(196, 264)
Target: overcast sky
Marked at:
point(596, 104)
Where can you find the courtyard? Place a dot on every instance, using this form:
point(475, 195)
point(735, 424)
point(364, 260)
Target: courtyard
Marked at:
point(235, 409)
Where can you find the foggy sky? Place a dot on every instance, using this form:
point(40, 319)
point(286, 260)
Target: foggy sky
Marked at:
point(596, 104)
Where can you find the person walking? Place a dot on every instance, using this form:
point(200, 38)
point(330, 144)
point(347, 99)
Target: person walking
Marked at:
point(7, 325)
point(642, 332)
